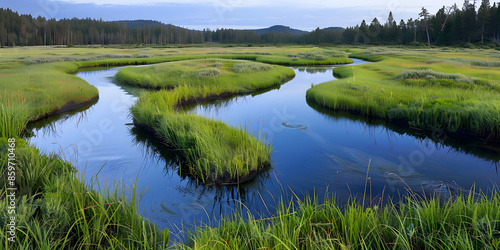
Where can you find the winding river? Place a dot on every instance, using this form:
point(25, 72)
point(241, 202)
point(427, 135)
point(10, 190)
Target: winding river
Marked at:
point(316, 151)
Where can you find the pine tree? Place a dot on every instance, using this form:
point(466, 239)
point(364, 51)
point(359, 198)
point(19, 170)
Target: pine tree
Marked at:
point(425, 17)
point(390, 20)
point(470, 21)
point(483, 16)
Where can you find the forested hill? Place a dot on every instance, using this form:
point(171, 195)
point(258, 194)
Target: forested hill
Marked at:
point(471, 23)
point(280, 29)
point(140, 23)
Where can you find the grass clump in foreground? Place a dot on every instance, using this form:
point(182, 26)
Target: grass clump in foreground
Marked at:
point(465, 222)
point(215, 153)
point(404, 87)
point(55, 210)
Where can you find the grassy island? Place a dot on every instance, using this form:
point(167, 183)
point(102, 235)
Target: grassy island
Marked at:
point(215, 153)
point(452, 89)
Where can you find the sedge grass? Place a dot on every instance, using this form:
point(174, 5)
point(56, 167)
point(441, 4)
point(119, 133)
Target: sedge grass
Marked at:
point(55, 210)
point(413, 223)
point(215, 153)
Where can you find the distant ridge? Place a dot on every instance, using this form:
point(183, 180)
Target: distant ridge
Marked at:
point(334, 28)
point(275, 28)
point(280, 29)
point(150, 23)
point(140, 23)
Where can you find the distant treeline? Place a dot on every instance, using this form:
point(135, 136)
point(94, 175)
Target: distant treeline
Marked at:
point(16, 29)
point(450, 25)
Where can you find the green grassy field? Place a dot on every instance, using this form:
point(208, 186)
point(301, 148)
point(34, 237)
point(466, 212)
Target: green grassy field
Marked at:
point(215, 153)
point(430, 89)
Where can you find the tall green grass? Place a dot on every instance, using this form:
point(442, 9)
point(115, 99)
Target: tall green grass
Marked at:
point(13, 120)
point(215, 153)
point(414, 223)
point(55, 210)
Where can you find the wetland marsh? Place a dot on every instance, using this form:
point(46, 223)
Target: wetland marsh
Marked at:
point(317, 149)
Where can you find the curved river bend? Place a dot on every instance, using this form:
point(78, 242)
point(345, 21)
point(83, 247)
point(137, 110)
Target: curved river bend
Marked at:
point(315, 151)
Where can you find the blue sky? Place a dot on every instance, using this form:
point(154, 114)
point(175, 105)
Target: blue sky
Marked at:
point(197, 14)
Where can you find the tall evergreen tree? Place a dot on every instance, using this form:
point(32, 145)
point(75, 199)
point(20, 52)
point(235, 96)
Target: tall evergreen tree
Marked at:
point(483, 16)
point(470, 21)
point(425, 18)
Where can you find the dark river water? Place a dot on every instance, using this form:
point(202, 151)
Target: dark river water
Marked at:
point(316, 152)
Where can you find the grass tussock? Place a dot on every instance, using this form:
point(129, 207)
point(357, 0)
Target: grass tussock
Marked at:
point(403, 87)
point(467, 62)
point(13, 119)
point(431, 74)
point(214, 152)
point(367, 57)
point(420, 223)
point(250, 67)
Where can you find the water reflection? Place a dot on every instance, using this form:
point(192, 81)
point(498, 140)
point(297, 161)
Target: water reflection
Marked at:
point(314, 70)
point(224, 102)
point(49, 126)
point(439, 139)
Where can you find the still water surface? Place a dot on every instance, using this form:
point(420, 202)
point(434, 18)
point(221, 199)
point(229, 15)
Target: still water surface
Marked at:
point(316, 151)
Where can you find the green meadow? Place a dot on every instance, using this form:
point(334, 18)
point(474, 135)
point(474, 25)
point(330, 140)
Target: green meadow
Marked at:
point(215, 153)
point(455, 89)
point(452, 89)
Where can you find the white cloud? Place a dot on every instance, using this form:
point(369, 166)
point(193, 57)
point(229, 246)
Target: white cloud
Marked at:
point(394, 5)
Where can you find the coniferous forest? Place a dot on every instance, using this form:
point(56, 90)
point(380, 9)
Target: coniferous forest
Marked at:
point(474, 22)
